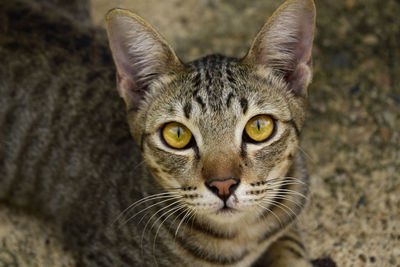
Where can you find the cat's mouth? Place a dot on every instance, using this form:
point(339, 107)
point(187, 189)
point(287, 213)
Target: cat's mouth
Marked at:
point(226, 211)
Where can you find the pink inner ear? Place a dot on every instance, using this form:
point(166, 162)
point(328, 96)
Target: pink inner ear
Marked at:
point(304, 46)
point(139, 55)
point(130, 91)
point(300, 78)
point(120, 52)
point(285, 44)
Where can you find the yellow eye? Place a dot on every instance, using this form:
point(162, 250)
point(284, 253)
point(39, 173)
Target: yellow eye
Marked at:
point(259, 128)
point(176, 135)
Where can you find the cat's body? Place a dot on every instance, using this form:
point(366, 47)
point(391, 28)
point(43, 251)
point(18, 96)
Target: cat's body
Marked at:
point(66, 152)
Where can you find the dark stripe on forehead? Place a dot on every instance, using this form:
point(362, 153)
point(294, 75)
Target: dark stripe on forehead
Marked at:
point(201, 102)
point(229, 100)
point(244, 104)
point(187, 109)
point(212, 76)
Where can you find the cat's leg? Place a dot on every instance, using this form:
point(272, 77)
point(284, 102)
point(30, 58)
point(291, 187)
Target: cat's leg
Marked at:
point(287, 251)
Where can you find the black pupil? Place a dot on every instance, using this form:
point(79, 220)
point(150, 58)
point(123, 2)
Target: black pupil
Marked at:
point(258, 125)
point(179, 132)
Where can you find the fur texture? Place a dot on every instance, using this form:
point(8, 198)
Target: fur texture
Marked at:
point(66, 152)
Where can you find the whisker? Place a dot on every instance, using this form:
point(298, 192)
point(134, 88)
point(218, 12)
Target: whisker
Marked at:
point(173, 188)
point(306, 154)
point(137, 165)
point(182, 220)
point(158, 203)
point(284, 197)
point(273, 213)
point(281, 205)
point(287, 182)
point(140, 201)
point(191, 219)
point(172, 211)
point(276, 205)
point(155, 214)
point(293, 192)
point(141, 219)
point(286, 179)
point(280, 185)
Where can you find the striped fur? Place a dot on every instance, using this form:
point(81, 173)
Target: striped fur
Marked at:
point(66, 152)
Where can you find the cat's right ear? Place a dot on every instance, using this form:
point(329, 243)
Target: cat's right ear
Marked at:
point(140, 55)
point(284, 44)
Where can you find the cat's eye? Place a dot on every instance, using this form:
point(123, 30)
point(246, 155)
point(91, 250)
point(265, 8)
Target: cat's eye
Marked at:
point(259, 128)
point(176, 135)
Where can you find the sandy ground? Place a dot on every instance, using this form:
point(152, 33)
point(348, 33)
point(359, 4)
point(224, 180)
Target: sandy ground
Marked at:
point(351, 138)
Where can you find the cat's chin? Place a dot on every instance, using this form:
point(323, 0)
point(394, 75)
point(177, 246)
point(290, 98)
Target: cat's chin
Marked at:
point(226, 216)
point(226, 212)
point(227, 219)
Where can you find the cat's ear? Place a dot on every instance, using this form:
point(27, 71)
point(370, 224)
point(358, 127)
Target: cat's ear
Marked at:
point(140, 55)
point(285, 42)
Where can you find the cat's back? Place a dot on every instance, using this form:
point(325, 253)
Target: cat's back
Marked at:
point(60, 117)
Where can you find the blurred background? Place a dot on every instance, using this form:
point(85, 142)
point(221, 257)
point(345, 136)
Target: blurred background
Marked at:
point(352, 134)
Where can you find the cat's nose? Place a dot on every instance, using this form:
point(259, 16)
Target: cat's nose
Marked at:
point(223, 188)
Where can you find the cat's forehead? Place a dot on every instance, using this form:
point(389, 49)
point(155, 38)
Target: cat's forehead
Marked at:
point(213, 83)
point(217, 92)
point(221, 85)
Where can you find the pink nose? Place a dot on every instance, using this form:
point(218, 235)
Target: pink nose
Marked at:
point(223, 188)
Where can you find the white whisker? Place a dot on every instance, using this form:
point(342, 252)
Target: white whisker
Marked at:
point(306, 154)
point(191, 218)
point(172, 211)
point(182, 220)
point(137, 165)
point(141, 201)
point(279, 186)
point(281, 206)
point(273, 213)
point(149, 207)
point(155, 214)
point(293, 192)
point(284, 197)
point(285, 179)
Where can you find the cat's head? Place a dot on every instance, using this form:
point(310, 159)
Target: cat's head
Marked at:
point(218, 132)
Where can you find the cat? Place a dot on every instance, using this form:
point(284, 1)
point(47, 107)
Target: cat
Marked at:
point(213, 177)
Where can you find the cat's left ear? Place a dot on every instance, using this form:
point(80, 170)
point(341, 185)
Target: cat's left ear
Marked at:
point(140, 55)
point(284, 44)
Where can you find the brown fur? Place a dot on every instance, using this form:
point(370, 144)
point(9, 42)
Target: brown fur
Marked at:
point(66, 151)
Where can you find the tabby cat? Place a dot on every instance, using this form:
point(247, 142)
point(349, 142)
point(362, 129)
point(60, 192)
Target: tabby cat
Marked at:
point(214, 178)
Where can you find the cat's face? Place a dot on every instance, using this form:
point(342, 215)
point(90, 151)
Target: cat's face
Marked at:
point(214, 105)
point(219, 134)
